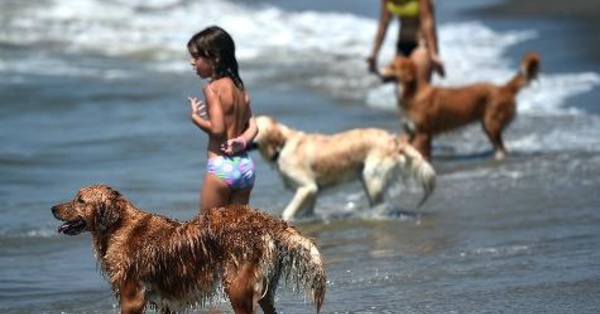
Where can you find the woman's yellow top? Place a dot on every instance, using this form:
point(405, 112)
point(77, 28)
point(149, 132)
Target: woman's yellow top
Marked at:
point(407, 9)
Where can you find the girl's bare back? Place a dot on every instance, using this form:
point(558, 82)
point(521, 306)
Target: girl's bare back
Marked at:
point(233, 110)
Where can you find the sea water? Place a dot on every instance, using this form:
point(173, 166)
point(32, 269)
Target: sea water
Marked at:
point(94, 91)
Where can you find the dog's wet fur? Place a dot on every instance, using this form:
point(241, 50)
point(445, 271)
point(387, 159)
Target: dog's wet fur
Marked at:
point(152, 261)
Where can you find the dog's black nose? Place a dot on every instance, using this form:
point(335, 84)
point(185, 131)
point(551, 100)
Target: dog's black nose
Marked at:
point(54, 210)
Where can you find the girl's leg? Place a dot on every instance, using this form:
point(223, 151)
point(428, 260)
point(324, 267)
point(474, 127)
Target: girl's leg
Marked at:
point(241, 196)
point(214, 193)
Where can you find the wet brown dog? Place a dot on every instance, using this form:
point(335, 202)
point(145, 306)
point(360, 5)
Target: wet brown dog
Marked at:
point(310, 163)
point(154, 261)
point(432, 110)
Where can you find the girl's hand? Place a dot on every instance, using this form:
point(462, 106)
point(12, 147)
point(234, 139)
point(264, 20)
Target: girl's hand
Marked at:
point(234, 146)
point(197, 107)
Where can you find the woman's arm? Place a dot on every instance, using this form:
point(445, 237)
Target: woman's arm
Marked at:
point(384, 21)
point(429, 29)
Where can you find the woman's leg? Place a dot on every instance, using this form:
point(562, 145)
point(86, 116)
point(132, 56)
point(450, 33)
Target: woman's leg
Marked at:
point(214, 193)
point(420, 56)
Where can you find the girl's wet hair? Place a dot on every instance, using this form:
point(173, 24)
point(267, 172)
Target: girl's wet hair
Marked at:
point(216, 44)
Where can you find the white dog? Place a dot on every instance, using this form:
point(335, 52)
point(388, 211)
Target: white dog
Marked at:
point(310, 162)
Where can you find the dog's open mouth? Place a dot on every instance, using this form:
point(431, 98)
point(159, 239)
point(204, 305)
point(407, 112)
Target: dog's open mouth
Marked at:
point(388, 78)
point(72, 227)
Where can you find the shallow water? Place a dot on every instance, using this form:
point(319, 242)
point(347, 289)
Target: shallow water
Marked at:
point(94, 92)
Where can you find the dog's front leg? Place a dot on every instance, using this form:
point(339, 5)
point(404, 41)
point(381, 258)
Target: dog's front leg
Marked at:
point(132, 298)
point(303, 201)
point(410, 129)
point(422, 142)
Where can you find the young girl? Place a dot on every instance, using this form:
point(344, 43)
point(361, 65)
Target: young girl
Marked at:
point(226, 117)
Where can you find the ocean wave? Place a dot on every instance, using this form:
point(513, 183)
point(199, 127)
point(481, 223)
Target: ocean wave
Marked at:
point(152, 33)
point(45, 232)
point(506, 251)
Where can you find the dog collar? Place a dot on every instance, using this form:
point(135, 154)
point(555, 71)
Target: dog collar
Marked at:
point(275, 157)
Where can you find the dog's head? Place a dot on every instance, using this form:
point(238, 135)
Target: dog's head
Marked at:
point(270, 138)
point(402, 70)
point(95, 208)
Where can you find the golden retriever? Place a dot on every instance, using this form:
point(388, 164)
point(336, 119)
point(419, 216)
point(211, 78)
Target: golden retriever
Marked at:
point(309, 163)
point(154, 261)
point(432, 109)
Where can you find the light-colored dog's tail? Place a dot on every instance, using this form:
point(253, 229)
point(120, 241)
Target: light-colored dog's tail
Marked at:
point(301, 265)
point(530, 68)
point(420, 169)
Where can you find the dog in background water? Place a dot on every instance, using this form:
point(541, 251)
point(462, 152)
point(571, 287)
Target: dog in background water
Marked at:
point(310, 163)
point(432, 110)
point(154, 261)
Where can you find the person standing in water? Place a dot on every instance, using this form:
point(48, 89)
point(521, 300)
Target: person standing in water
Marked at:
point(417, 36)
point(225, 116)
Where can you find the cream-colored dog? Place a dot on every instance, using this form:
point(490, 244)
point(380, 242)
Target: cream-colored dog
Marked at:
point(309, 163)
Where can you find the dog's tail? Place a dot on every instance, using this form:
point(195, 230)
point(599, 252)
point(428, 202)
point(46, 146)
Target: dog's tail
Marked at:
point(301, 264)
point(530, 68)
point(420, 169)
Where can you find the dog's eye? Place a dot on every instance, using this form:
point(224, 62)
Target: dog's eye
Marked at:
point(80, 200)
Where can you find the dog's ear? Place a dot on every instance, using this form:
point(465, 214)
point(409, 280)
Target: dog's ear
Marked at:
point(274, 142)
point(108, 211)
point(388, 73)
point(276, 139)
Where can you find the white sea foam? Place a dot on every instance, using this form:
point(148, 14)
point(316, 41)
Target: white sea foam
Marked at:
point(497, 251)
point(155, 33)
point(159, 29)
point(582, 137)
point(40, 232)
